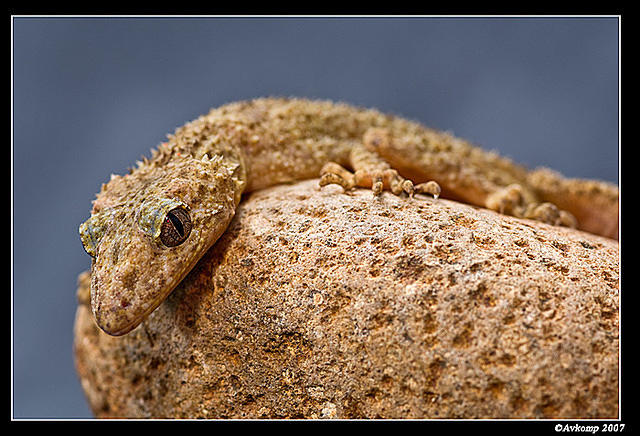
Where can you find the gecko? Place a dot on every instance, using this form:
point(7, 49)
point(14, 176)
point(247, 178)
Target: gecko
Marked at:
point(149, 228)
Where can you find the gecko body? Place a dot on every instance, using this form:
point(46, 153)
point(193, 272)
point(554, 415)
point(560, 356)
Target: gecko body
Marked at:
point(148, 228)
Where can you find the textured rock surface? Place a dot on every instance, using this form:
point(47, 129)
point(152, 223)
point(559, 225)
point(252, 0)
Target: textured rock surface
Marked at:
point(318, 304)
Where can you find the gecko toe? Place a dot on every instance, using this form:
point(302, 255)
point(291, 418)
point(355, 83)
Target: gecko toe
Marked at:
point(334, 174)
point(431, 188)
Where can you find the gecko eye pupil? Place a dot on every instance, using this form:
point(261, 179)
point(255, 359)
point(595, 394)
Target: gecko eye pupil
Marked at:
point(176, 227)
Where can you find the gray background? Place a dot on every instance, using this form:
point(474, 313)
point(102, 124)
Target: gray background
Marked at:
point(93, 95)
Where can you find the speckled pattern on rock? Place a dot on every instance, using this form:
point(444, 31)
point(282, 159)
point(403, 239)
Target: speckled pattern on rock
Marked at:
point(318, 304)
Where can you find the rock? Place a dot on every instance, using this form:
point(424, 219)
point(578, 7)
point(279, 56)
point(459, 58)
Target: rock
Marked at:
point(319, 304)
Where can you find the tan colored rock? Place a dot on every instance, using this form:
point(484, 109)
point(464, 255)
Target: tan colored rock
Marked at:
point(319, 304)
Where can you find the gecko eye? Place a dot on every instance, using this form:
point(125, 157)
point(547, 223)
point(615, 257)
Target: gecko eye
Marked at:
point(176, 227)
point(166, 220)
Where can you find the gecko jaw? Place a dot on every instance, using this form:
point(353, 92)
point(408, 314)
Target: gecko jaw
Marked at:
point(119, 326)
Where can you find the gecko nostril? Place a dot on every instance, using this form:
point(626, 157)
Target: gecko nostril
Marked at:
point(176, 227)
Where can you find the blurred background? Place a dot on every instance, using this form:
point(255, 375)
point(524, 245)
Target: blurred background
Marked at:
point(92, 95)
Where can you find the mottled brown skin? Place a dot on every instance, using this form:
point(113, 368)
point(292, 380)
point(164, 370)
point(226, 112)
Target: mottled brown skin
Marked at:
point(240, 147)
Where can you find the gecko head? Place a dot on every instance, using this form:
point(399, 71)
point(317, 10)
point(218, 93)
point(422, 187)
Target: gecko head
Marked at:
point(148, 230)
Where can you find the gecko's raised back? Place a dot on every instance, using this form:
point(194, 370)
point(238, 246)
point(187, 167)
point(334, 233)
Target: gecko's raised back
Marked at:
point(148, 228)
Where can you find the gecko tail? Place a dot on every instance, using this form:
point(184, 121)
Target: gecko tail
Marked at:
point(595, 204)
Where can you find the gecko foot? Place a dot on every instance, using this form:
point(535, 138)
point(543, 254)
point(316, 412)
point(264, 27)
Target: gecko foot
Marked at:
point(509, 200)
point(378, 178)
point(550, 214)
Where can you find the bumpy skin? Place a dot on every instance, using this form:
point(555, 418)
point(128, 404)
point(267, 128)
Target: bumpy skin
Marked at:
point(207, 164)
